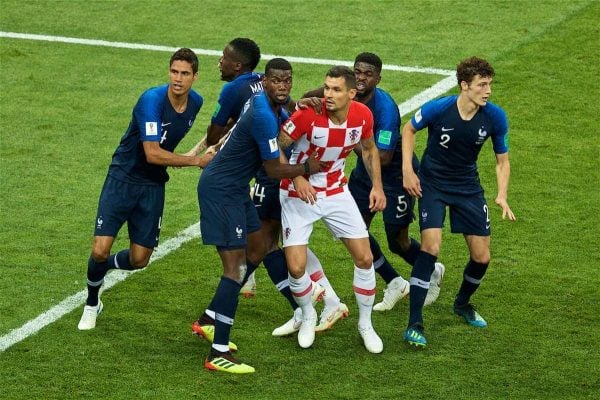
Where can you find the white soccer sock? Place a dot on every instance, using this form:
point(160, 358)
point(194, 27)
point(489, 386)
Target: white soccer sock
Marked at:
point(315, 269)
point(302, 291)
point(364, 290)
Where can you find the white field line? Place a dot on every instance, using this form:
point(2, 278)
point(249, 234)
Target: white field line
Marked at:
point(72, 302)
point(193, 231)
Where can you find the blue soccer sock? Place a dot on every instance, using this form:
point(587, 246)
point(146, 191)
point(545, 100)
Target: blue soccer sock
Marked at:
point(96, 272)
point(472, 277)
point(419, 285)
point(410, 256)
point(225, 305)
point(381, 264)
point(120, 260)
point(250, 268)
point(277, 269)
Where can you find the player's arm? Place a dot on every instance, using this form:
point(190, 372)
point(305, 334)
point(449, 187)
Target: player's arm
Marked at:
point(370, 156)
point(410, 180)
point(503, 177)
point(278, 170)
point(385, 156)
point(158, 156)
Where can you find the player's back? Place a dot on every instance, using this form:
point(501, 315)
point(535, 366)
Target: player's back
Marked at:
point(234, 95)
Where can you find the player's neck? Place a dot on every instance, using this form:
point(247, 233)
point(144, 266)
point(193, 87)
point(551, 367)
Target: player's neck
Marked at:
point(466, 107)
point(340, 116)
point(179, 103)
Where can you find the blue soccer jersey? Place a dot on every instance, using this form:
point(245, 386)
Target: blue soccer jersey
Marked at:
point(253, 139)
point(154, 119)
point(234, 95)
point(453, 145)
point(387, 137)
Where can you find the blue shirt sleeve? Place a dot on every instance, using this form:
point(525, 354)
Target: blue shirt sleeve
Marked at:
point(147, 114)
point(264, 131)
point(387, 123)
point(430, 111)
point(227, 100)
point(500, 123)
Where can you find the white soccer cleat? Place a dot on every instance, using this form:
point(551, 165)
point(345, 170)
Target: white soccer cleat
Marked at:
point(306, 334)
point(249, 288)
point(318, 292)
point(371, 339)
point(396, 290)
point(330, 315)
point(292, 326)
point(88, 318)
point(435, 283)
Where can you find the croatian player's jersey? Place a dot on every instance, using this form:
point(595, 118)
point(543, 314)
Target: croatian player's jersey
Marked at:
point(387, 137)
point(316, 133)
point(155, 120)
point(234, 95)
point(453, 145)
point(253, 139)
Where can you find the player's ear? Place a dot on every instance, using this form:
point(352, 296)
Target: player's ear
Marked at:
point(352, 93)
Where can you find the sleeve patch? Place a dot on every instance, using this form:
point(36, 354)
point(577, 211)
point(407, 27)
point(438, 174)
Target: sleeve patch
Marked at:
point(418, 116)
point(151, 129)
point(273, 145)
point(289, 127)
point(217, 109)
point(385, 137)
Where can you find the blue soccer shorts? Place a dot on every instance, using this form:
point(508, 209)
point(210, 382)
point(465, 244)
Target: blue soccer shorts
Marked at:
point(266, 201)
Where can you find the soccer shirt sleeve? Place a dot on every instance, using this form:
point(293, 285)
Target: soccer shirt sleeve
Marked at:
point(298, 123)
point(225, 104)
point(264, 132)
point(147, 116)
point(430, 110)
point(387, 126)
point(500, 133)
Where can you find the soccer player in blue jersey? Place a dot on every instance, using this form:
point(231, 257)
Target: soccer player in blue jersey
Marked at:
point(228, 218)
point(458, 127)
point(398, 213)
point(134, 189)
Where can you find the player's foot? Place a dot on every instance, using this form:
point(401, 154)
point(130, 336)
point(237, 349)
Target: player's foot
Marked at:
point(318, 292)
point(396, 290)
point(217, 361)
point(469, 314)
point(330, 315)
point(249, 288)
point(435, 283)
point(207, 332)
point(88, 318)
point(415, 336)
point(306, 334)
point(292, 326)
point(371, 339)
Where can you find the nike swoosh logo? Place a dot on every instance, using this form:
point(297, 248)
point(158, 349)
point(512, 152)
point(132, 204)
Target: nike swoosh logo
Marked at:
point(319, 137)
point(400, 215)
point(163, 124)
point(447, 129)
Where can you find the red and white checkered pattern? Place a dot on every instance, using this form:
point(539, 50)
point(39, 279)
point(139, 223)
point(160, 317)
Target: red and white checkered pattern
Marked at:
point(316, 133)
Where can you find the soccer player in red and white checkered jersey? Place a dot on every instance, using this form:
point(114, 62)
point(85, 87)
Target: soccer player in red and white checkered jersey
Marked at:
point(331, 135)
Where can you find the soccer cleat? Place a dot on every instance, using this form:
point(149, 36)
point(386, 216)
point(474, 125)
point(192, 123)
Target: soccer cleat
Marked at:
point(330, 315)
point(227, 363)
point(292, 326)
point(396, 290)
point(435, 283)
point(88, 318)
point(318, 292)
point(371, 340)
point(415, 336)
point(306, 333)
point(469, 314)
point(249, 288)
point(208, 332)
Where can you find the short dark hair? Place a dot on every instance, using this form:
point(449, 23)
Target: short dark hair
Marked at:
point(248, 52)
point(341, 71)
point(278, 63)
point(185, 54)
point(467, 69)
point(371, 59)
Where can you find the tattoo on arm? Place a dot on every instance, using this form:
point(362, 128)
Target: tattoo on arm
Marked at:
point(284, 140)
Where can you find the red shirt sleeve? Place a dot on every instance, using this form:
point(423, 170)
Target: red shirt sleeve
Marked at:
point(299, 123)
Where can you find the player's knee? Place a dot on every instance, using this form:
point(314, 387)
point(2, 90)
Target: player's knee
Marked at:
point(397, 237)
point(481, 257)
point(100, 254)
point(431, 248)
point(139, 262)
point(364, 261)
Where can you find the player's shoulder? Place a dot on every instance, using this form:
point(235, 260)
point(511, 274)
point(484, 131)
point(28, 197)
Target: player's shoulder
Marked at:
point(384, 97)
point(443, 103)
point(195, 97)
point(494, 110)
point(156, 92)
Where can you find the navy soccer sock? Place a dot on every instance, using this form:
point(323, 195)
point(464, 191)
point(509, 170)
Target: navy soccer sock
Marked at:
point(419, 285)
point(95, 277)
point(381, 264)
point(120, 260)
point(472, 277)
point(277, 269)
point(225, 306)
point(410, 255)
point(250, 268)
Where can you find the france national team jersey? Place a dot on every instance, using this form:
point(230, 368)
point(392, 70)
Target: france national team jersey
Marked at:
point(253, 139)
point(387, 137)
point(233, 96)
point(154, 119)
point(453, 145)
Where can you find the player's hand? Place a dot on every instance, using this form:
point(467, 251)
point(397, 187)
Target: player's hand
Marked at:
point(204, 159)
point(305, 190)
point(314, 165)
point(212, 149)
point(377, 200)
point(506, 211)
point(412, 184)
point(312, 102)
